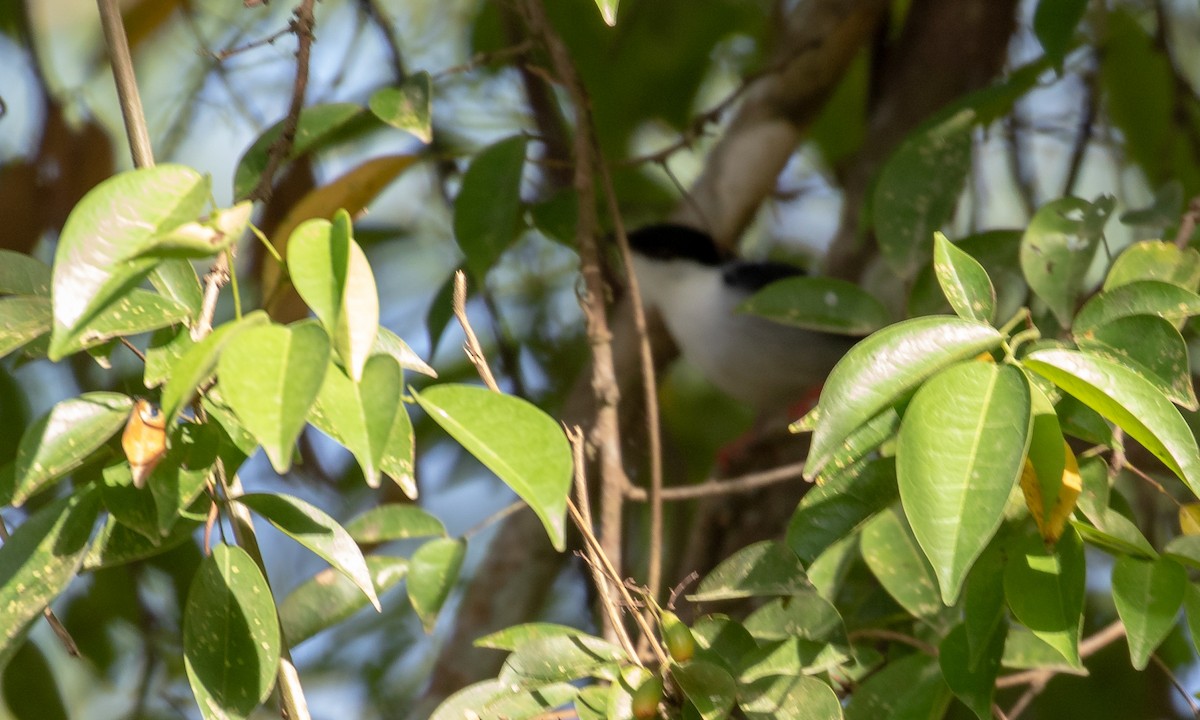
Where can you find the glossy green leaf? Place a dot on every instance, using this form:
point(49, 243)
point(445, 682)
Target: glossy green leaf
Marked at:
point(1115, 533)
point(107, 227)
point(792, 656)
point(29, 687)
point(1151, 347)
point(608, 11)
point(230, 635)
point(23, 319)
point(1054, 23)
point(488, 206)
point(997, 251)
point(529, 702)
point(973, 684)
point(959, 454)
point(394, 521)
point(918, 189)
point(760, 570)
point(524, 446)
point(199, 363)
point(709, 688)
point(891, 551)
point(21, 274)
point(136, 312)
point(789, 698)
point(314, 529)
point(832, 511)
point(432, 572)
point(722, 640)
point(397, 461)
point(176, 279)
point(964, 282)
point(1140, 297)
point(514, 637)
point(1057, 250)
point(316, 124)
point(1045, 590)
point(331, 273)
point(850, 456)
point(117, 545)
point(133, 507)
point(182, 475)
point(884, 367)
point(819, 303)
point(270, 376)
point(408, 107)
point(1124, 398)
point(360, 416)
point(1156, 260)
point(1148, 595)
point(40, 558)
point(197, 240)
point(561, 658)
point(469, 700)
point(1184, 549)
point(389, 343)
point(167, 347)
point(1024, 650)
point(910, 688)
point(805, 615)
point(62, 439)
point(329, 597)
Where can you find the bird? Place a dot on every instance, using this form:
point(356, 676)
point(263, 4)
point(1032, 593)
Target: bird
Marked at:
point(697, 290)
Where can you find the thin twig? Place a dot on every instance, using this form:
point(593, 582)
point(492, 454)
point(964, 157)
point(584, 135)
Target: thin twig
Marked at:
point(1187, 223)
point(1187, 696)
point(714, 487)
point(472, 347)
point(893, 636)
point(1151, 481)
point(1038, 679)
point(127, 89)
point(606, 433)
point(229, 52)
point(485, 58)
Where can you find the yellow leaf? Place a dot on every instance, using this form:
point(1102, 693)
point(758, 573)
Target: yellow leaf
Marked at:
point(1051, 526)
point(1189, 519)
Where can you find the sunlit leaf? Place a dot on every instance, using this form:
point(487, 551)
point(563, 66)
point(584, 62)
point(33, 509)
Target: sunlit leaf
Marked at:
point(884, 367)
point(763, 569)
point(230, 635)
point(560, 658)
point(314, 529)
point(61, 440)
point(1151, 347)
point(524, 446)
point(329, 597)
point(964, 282)
point(361, 415)
point(1058, 248)
point(408, 107)
point(1148, 595)
point(21, 274)
point(1156, 260)
point(1139, 297)
point(1045, 590)
point(394, 522)
point(512, 638)
point(894, 557)
point(137, 312)
point(23, 319)
point(709, 688)
point(199, 363)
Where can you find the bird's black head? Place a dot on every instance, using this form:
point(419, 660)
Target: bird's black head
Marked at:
point(676, 242)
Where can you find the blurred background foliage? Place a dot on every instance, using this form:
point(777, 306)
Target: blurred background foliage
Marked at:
point(1121, 116)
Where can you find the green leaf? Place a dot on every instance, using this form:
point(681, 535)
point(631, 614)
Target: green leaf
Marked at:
point(997, 251)
point(488, 206)
point(789, 698)
point(1151, 347)
point(959, 454)
point(441, 312)
point(1184, 549)
point(910, 688)
point(1045, 590)
point(167, 347)
point(469, 700)
point(361, 415)
point(270, 375)
point(432, 572)
point(792, 657)
point(1148, 595)
point(316, 124)
point(881, 369)
point(983, 603)
point(763, 569)
point(1115, 533)
point(408, 107)
point(63, 438)
point(182, 476)
point(834, 510)
point(199, 364)
point(176, 279)
point(819, 303)
point(1140, 297)
point(561, 658)
point(524, 446)
point(608, 11)
point(136, 312)
point(397, 461)
point(332, 274)
point(329, 597)
point(317, 531)
point(894, 557)
point(108, 226)
point(394, 521)
point(40, 558)
point(709, 688)
point(964, 282)
point(133, 507)
point(1058, 248)
point(1023, 650)
point(1191, 603)
point(1054, 23)
point(23, 319)
point(230, 635)
point(529, 703)
point(592, 702)
point(974, 684)
point(116, 544)
point(514, 637)
point(1124, 398)
point(389, 343)
point(918, 189)
point(30, 690)
point(805, 615)
point(23, 275)
point(722, 640)
point(1156, 260)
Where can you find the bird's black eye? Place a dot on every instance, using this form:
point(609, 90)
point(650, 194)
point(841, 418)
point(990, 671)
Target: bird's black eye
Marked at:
point(675, 242)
